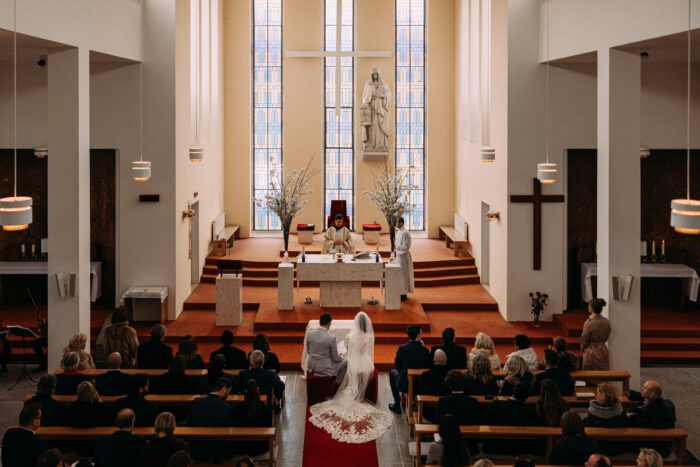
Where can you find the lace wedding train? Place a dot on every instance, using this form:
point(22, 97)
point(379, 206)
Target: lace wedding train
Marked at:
point(355, 422)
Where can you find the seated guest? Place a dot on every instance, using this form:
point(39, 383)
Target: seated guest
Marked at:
point(154, 354)
point(524, 351)
point(87, 411)
point(174, 381)
point(656, 412)
point(268, 381)
point(649, 458)
point(517, 372)
point(77, 344)
point(606, 411)
point(113, 382)
point(512, 411)
point(161, 447)
point(83, 462)
point(121, 448)
point(52, 411)
point(262, 343)
point(188, 351)
point(483, 345)
point(68, 381)
point(179, 459)
point(561, 377)
point(457, 403)
point(122, 338)
point(550, 406)
point(412, 355)
point(50, 458)
point(480, 381)
point(245, 462)
point(567, 360)
point(212, 411)
point(136, 400)
point(598, 460)
point(252, 413)
point(432, 382)
point(21, 447)
point(450, 449)
point(523, 461)
point(235, 357)
point(456, 354)
point(484, 463)
point(214, 372)
point(574, 447)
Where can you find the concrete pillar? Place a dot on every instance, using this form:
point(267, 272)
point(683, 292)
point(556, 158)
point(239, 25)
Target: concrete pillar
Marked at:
point(619, 202)
point(68, 196)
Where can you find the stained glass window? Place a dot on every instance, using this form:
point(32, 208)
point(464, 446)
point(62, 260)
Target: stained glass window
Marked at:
point(339, 159)
point(410, 105)
point(267, 108)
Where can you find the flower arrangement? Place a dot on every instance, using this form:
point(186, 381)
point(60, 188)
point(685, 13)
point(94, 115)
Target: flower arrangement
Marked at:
point(284, 196)
point(390, 195)
point(539, 301)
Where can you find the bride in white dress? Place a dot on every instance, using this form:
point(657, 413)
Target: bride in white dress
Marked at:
point(348, 417)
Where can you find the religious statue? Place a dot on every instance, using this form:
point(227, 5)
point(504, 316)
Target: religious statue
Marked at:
point(374, 115)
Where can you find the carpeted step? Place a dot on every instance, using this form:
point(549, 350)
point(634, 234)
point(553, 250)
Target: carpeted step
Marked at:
point(445, 271)
point(447, 280)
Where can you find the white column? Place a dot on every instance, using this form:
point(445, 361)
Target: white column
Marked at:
point(68, 195)
point(619, 201)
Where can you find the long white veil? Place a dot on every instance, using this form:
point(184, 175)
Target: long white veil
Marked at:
point(348, 417)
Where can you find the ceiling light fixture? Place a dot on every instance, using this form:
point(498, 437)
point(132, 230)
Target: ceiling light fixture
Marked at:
point(547, 171)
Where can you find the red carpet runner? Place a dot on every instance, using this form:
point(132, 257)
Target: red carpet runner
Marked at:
point(321, 450)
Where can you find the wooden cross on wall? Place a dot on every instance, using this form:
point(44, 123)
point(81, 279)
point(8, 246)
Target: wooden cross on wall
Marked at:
point(537, 199)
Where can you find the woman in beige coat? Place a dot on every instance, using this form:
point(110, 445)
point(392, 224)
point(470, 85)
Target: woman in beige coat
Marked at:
point(596, 332)
point(77, 344)
point(122, 338)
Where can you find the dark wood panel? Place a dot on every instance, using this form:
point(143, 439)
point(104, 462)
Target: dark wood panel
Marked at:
point(103, 215)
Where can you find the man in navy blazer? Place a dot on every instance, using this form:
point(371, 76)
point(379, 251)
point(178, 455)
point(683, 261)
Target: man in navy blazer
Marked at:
point(21, 447)
point(465, 408)
point(268, 381)
point(213, 411)
point(121, 448)
point(561, 377)
point(456, 354)
point(114, 382)
point(412, 355)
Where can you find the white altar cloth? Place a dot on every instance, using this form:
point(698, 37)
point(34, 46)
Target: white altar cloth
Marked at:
point(339, 328)
point(41, 268)
point(691, 280)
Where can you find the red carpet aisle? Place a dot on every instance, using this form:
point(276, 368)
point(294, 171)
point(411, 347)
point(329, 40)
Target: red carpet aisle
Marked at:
point(320, 449)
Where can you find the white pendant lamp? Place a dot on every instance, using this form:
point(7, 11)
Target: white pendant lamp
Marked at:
point(685, 213)
point(644, 152)
point(547, 171)
point(15, 211)
point(41, 152)
point(141, 169)
point(488, 154)
point(196, 151)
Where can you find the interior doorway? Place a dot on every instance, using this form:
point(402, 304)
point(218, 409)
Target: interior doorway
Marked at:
point(485, 243)
point(194, 243)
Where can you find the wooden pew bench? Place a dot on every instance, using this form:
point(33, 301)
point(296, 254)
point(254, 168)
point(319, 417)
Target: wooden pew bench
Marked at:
point(548, 434)
point(64, 433)
point(454, 239)
point(161, 400)
point(134, 371)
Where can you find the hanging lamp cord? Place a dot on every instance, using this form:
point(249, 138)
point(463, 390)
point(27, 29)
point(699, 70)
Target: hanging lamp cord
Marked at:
point(141, 88)
point(687, 168)
point(547, 91)
point(14, 137)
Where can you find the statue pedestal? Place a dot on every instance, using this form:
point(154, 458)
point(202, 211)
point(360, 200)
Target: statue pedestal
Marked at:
point(229, 300)
point(375, 156)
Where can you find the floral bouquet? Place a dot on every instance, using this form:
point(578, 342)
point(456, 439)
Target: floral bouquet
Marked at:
point(539, 301)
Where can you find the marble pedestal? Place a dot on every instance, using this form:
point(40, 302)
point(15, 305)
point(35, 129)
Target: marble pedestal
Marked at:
point(229, 300)
point(371, 237)
point(285, 286)
point(305, 237)
point(392, 291)
point(341, 294)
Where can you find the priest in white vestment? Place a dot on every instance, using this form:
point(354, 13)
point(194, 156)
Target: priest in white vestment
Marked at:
point(338, 238)
point(404, 259)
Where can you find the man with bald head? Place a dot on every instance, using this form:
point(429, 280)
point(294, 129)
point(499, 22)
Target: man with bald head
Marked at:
point(656, 412)
point(121, 448)
point(432, 382)
point(113, 382)
point(598, 460)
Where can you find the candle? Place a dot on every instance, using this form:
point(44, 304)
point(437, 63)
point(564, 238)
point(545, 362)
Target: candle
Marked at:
point(663, 247)
point(22, 248)
point(644, 248)
point(33, 248)
point(653, 248)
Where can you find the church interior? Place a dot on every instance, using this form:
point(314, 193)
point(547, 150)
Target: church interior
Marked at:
point(249, 166)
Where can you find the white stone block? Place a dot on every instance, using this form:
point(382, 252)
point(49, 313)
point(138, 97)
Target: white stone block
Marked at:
point(392, 291)
point(305, 237)
point(285, 286)
point(371, 237)
point(229, 300)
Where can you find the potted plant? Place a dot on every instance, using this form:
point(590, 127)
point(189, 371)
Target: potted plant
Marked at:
point(539, 301)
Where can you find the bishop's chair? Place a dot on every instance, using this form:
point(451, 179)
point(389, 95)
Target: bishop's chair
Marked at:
point(338, 206)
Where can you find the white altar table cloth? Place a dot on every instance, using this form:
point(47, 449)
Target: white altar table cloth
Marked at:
point(691, 280)
point(340, 328)
point(41, 268)
point(365, 269)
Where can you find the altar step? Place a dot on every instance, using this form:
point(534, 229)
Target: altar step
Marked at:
point(430, 281)
point(210, 270)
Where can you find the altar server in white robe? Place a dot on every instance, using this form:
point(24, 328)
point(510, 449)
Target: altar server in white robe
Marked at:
point(404, 259)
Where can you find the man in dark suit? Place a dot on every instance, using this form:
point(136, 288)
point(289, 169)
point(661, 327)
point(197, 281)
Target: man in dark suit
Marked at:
point(432, 382)
point(511, 412)
point(213, 411)
point(560, 376)
point(154, 354)
point(114, 382)
point(21, 447)
point(146, 411)
point(68, 381)
point(656, 412)
point(235, 358)
point(456, 354)
point(52, 411)
point(412, 355)
point(121, 448)
point(457, 403)
point(268, 381)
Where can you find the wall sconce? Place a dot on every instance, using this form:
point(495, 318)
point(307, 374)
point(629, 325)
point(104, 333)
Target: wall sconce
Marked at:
point(189, 213)
point(493, 215)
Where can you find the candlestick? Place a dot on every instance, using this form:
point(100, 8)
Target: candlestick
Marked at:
point(653, 249)
point(23, 248)
point(643, 251)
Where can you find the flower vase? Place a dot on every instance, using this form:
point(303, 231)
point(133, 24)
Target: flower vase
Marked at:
point(536, 321)
point(392, 235)
point(285, 234)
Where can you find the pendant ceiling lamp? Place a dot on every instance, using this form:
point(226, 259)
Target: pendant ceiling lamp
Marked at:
point(685, 213)
point(547, 171)
point(644, 152)
point(41, 152)
point(196, 151)
point(141, 169)
point(488, 154)
point(15, 211)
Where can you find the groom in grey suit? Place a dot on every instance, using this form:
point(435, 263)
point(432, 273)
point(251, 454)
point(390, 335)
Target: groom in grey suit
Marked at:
point(323, 352)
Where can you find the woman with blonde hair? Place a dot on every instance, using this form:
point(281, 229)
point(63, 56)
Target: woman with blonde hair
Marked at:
point(649, 458)
point(77, 344)
point(483, 345)
point(517, 372)
point(606, 411)
point(161, 447)
point(480, 381)
point(87, 411)
point(484, 463)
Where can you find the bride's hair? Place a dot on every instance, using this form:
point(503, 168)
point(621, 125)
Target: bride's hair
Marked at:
point(362, 323)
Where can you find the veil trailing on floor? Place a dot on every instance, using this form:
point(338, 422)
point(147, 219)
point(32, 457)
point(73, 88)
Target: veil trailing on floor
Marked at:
point(348, 417)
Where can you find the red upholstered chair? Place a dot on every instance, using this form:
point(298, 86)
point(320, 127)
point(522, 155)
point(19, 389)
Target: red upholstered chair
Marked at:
point(318, 388)
point(339, 206)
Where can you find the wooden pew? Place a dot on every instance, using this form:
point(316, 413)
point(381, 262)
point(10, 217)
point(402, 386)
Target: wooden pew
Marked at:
point(165, 400)
point(574, 402)
point(454, 239)
point(134, 371)
point(186, 432)
point(548, 434)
